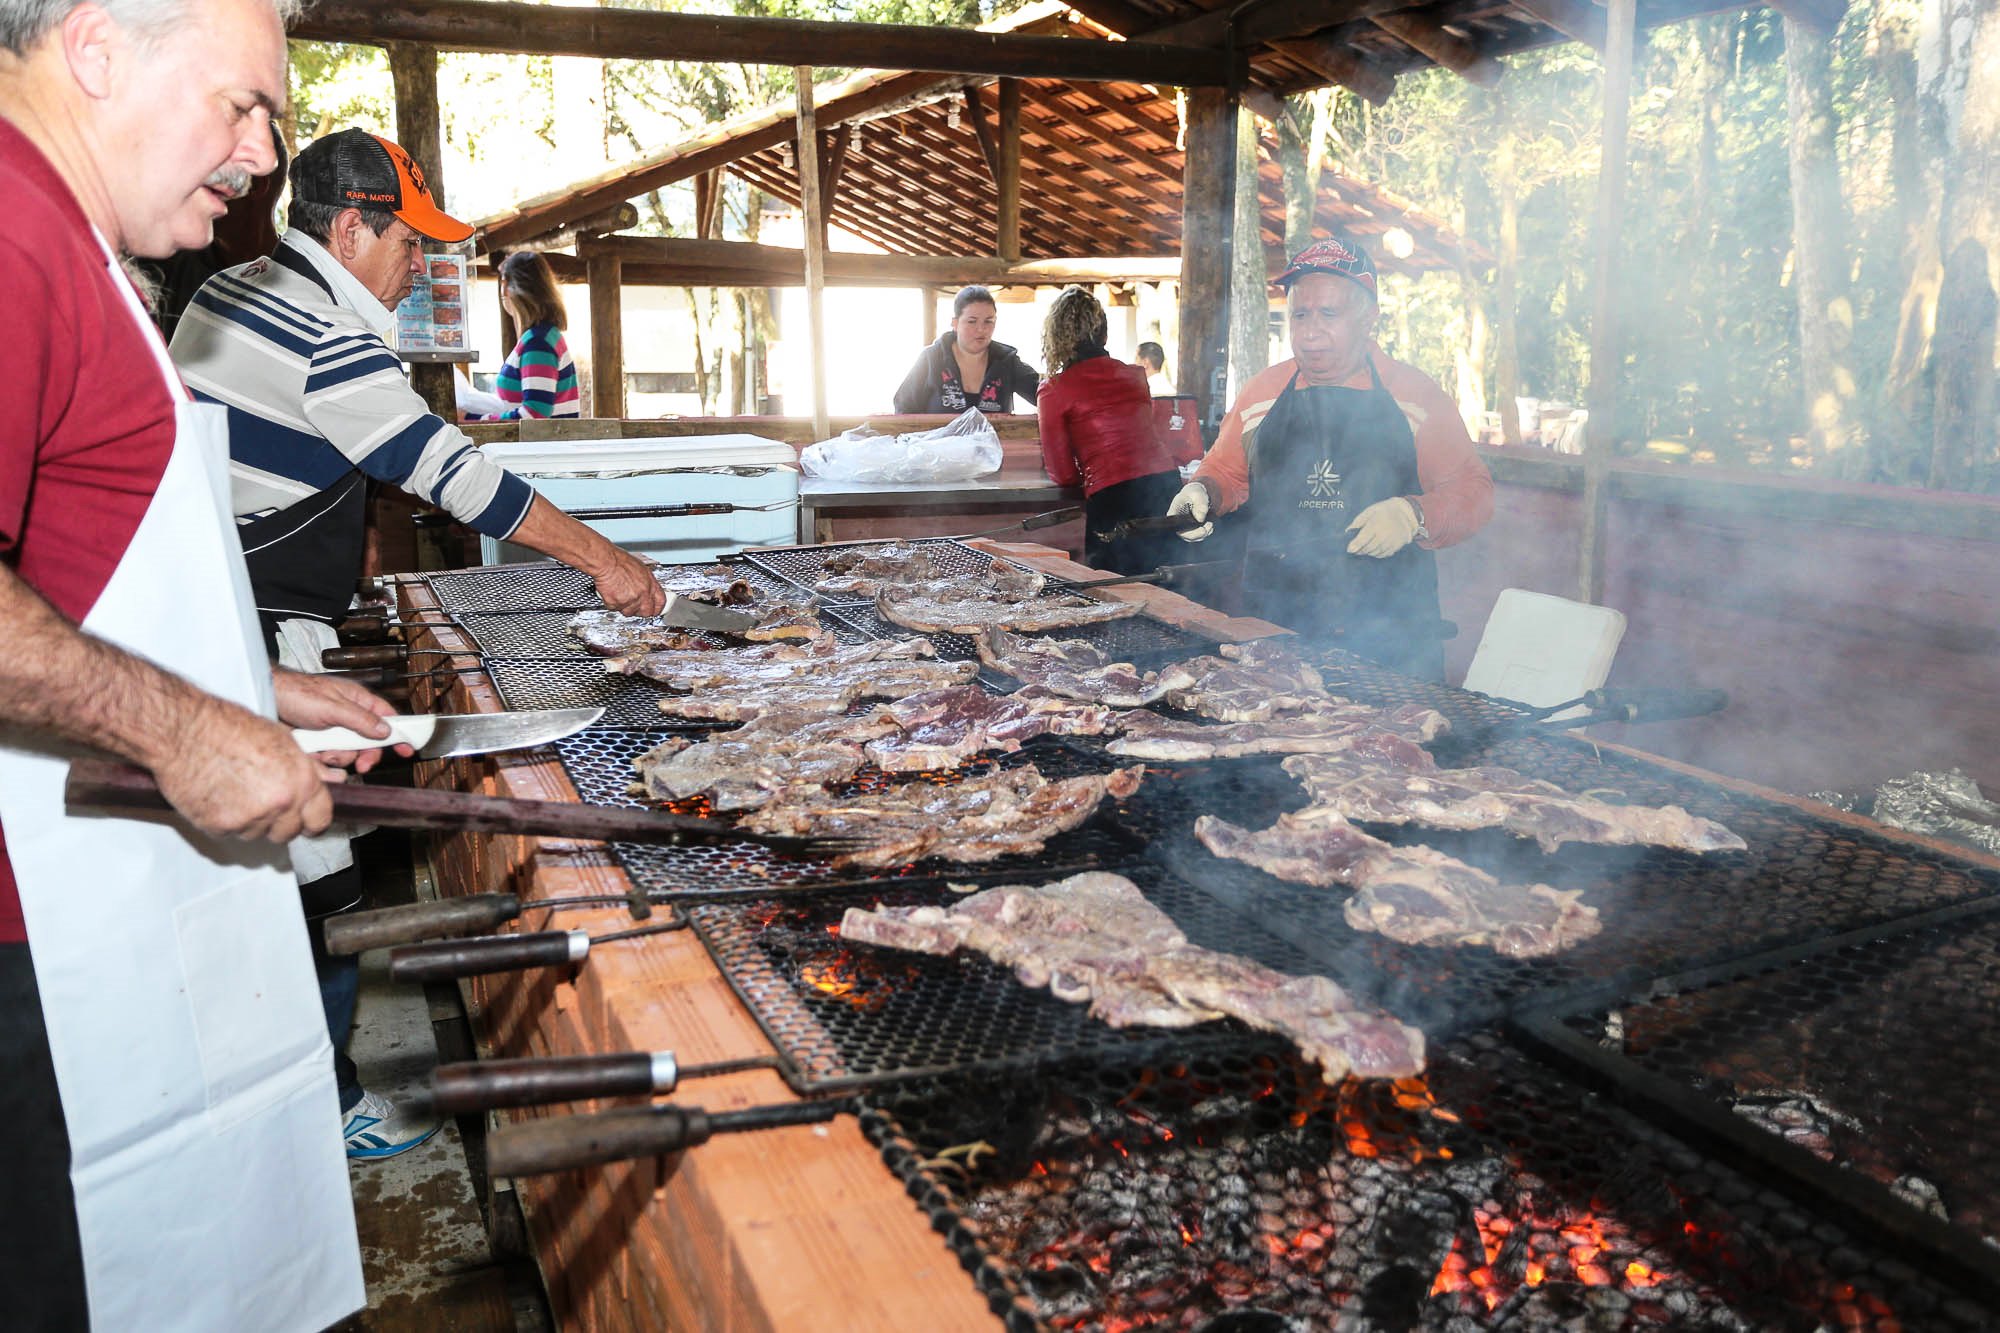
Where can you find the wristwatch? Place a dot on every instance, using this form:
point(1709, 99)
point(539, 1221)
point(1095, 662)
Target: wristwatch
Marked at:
point(1423, 533)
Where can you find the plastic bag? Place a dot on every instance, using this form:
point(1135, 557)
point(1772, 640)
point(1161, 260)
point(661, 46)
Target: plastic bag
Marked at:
point(967, 447)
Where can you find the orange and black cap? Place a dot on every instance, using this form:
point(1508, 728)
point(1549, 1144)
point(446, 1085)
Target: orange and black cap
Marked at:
point(356, 169)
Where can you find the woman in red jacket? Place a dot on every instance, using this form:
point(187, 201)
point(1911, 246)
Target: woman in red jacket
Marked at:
point(1097, 430)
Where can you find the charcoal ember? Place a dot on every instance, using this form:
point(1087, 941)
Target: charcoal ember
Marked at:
point(1062, 1288)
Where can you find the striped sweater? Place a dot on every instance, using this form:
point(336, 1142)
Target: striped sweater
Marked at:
point(539, 378)
point(293, 346)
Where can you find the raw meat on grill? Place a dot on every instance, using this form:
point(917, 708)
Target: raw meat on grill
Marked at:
point(827, 689)
point(1469, 798)
point(1011, 813)
point(1250, 682)
point(781, 619)
point(742, 769)
point(1332, 727)
point(716, 584)
point(610, 634)
point(1094, 938)
point(947, 611)
point(1412, 894)
point(1071, 668)
point(943, 728)
point(766, 664)
point(865, 571)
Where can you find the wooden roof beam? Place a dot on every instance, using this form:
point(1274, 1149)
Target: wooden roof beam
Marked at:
point(1127, 176)
point(1577, 19)
point(1442, 46)
point(644, 34)
point(1344, 65)
point(1043, 163)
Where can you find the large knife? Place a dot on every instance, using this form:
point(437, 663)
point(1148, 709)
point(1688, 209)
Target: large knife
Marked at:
point(435, 736)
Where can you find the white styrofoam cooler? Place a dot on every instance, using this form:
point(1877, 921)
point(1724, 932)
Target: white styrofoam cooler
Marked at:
point(732, 469)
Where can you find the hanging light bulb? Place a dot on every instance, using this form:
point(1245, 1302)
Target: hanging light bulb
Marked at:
point(785, 154)
point(854, 137)
point(951, 115)
point(1399, 242)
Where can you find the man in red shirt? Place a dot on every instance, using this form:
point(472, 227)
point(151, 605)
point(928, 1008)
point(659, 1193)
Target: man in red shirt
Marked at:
point(125, 131)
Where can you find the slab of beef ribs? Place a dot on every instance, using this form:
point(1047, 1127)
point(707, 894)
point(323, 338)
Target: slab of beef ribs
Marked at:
point(1010, 813)
point(1332, 727)
point(610, 634)
point(1093, 938)
point(864, 571)
point(1412, 894)
point(1470, 798)
point(829, 689)
point(1070, 668)
point(742, 769)
point(943, 728)
point(948, 610)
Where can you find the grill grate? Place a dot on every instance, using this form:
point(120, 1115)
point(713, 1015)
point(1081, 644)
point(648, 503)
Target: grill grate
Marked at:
point(1662, 911)
point(803, 566)
point(844, 1016)
point(527, 635)
point(1231, 1191)
point(628, 701)
point(545, 586)
point(599, 762)
point(1838, 1055)
point(1140, 639)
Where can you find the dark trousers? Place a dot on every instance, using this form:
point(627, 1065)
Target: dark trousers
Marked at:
point(1140, 497)
point(38, 1233)
point(339, 978)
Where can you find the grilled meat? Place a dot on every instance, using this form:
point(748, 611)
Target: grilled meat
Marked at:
point(1412, 894)
point(947, 610)
point(1332, 727)
point(943, 728)
point(766, 664)
point(1094, 938)
point(1011, 813)
point(865, 571)
point(1469, 798)
point(610, 634)
point(1071, 668)
point(1251, 682)
point(742, 769)
point(828, 689)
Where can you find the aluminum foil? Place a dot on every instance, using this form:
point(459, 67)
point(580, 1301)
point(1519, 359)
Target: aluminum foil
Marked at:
point(1946, 805)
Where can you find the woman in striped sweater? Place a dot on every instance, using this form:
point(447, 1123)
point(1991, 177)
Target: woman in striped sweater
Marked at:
point(539, 379)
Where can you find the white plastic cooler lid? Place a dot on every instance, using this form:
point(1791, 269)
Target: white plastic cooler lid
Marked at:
point(578, 458)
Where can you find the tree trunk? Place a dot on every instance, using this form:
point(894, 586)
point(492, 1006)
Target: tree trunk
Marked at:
point(1711, 424)
point(762, 325)
point(1249, 304)
point(1902, 445)
point(1819, 233)
point(1964, 371)
point(700, 353)
point(1506, 268)
point(1469, 357)
point(1302, 156)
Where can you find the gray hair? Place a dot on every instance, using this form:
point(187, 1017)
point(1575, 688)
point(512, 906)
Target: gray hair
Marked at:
point(316, 220)
point(24, 23)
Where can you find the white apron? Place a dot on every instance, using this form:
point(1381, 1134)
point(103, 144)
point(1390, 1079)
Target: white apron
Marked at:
point(183, 1013)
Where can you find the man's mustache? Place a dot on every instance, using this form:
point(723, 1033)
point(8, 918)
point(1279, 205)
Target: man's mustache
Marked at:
point(230, 181)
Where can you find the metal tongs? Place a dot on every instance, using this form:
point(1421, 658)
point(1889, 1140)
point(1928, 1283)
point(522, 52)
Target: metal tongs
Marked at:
point(1611, 705)
point(106, 785)
point(1140, 527)
point(1047, 519)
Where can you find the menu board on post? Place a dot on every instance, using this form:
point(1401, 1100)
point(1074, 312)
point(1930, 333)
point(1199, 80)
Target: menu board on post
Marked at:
point(432, 318)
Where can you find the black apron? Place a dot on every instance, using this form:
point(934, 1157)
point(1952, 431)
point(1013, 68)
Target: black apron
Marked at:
point(1138, 497)
point(305, 559)
point(1318, 459)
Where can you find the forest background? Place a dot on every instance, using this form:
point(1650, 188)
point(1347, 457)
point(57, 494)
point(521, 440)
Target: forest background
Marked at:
point(1807, 264)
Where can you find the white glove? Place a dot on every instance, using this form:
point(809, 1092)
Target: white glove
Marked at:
point(1383, 528)
point(1192, 501)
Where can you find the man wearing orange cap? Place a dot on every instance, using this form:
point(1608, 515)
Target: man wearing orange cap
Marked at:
point(296, 347)
point(1348, 469)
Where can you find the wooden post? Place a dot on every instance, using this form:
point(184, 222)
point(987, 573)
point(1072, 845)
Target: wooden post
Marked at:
point(413, 70)
point(815, 245)
point(1605, 355)
point(1009, 179)
point(607, 336)
point(930, 300)
point(1208, 193)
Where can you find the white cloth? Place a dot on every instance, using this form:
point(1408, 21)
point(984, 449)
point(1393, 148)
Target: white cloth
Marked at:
point(183, 1015)
point(317, 855)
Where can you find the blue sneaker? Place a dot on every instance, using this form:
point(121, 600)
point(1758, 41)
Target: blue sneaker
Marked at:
point(376, 1127)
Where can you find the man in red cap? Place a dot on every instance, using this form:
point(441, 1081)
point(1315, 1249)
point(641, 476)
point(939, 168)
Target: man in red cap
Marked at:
point(296, 347)
point(1351, 469)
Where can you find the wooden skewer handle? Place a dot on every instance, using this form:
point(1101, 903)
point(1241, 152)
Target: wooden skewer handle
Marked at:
point(487, 1085)
point(564, 1143)
point(447, 960)
point(357, 932)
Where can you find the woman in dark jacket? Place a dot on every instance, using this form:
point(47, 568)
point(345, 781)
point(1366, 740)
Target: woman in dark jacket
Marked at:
point(1097, 430)
point(966, 354)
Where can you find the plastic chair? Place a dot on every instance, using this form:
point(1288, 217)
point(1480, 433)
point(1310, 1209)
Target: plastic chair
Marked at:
point(1540, 650)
